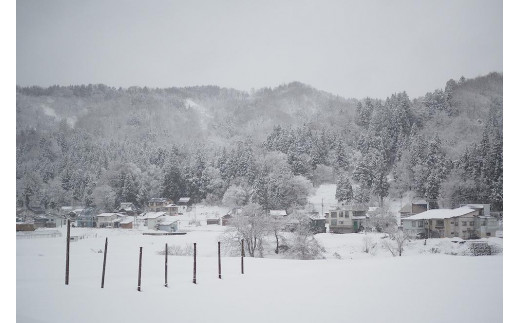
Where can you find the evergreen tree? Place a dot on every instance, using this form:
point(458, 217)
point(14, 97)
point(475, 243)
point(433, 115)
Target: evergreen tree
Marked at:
point(344, 192)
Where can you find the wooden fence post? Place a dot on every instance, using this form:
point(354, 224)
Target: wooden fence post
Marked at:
point(166, 266)
point(104, 264)
point(140, 264)
point(67, 255)
point(195, 263)
point(242, 256)
point(219, 267)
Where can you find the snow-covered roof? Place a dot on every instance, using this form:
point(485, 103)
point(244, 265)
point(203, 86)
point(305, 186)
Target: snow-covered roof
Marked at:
point(184, 200)
point(171, 205)
point(169, 220)
point(476, 206)
point(126, 220)
point(440, 214)
point(105, 215)
point(420, 202)
point(406, 209)
point(316, 217)
point(158, 199)
point(277, 212)
point(153, 215)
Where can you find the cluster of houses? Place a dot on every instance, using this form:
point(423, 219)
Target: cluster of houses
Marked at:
point(417, 218)
point(159, 215)
point(470, 221)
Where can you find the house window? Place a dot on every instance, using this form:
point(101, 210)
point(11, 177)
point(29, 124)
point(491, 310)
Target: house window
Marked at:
point(421, 224)
point(464, 223)
point(341, 214)
point(456, 223)
point(471, 223)
point(346, 214)
point(414, 224)
point(439, 223)
point(340, 222)
point(334, 214)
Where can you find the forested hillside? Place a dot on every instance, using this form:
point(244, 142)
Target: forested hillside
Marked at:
point(95, 145)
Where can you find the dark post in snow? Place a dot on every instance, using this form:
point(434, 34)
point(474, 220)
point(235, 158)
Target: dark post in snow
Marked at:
point(140, 262)
point(67, 255)
point(242, 256)
point(194, 263)
point(104, 264)
point(219, 268)
point(166, 266)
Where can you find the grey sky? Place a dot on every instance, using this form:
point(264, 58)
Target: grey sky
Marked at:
point(350, 48)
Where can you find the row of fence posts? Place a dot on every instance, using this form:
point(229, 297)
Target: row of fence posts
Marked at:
point(141, 262)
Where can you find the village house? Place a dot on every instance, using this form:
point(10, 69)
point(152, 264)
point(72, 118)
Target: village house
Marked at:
point(126, 222)
point(85, 218)
point(226, 219)
point(317, 223)
point(106, 220)
point(347, 219)
point(172, 209)
point(151, 219)
point(127, 208)
point(168, 224)
point(415, 207)
point(184, 205)
point(158, 204)
point(464, 222)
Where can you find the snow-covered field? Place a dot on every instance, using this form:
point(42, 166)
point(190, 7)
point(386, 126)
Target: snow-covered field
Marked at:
point(421, 286)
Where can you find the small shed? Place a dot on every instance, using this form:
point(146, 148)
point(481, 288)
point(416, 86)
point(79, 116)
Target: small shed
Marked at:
point(226, 219)
point(127, 223)
point(168, 225)
point(211, 221)
point(317, 223)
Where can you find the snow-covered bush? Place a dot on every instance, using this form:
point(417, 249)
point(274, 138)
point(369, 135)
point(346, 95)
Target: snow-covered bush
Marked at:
point(303, 245)
point(369, 244)
point(175, 250)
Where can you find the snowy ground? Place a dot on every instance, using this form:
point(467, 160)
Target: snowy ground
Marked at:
point(420, 286)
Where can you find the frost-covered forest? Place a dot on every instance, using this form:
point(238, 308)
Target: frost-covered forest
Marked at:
point(95, 145)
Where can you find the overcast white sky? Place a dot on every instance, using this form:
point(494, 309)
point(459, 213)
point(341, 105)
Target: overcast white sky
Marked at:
point(350, 48)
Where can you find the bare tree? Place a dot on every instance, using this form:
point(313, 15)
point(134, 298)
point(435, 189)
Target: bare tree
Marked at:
point(277, 224)
point(396, 242)
point(252, 226)
point(369, 244)
point(304, 245)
